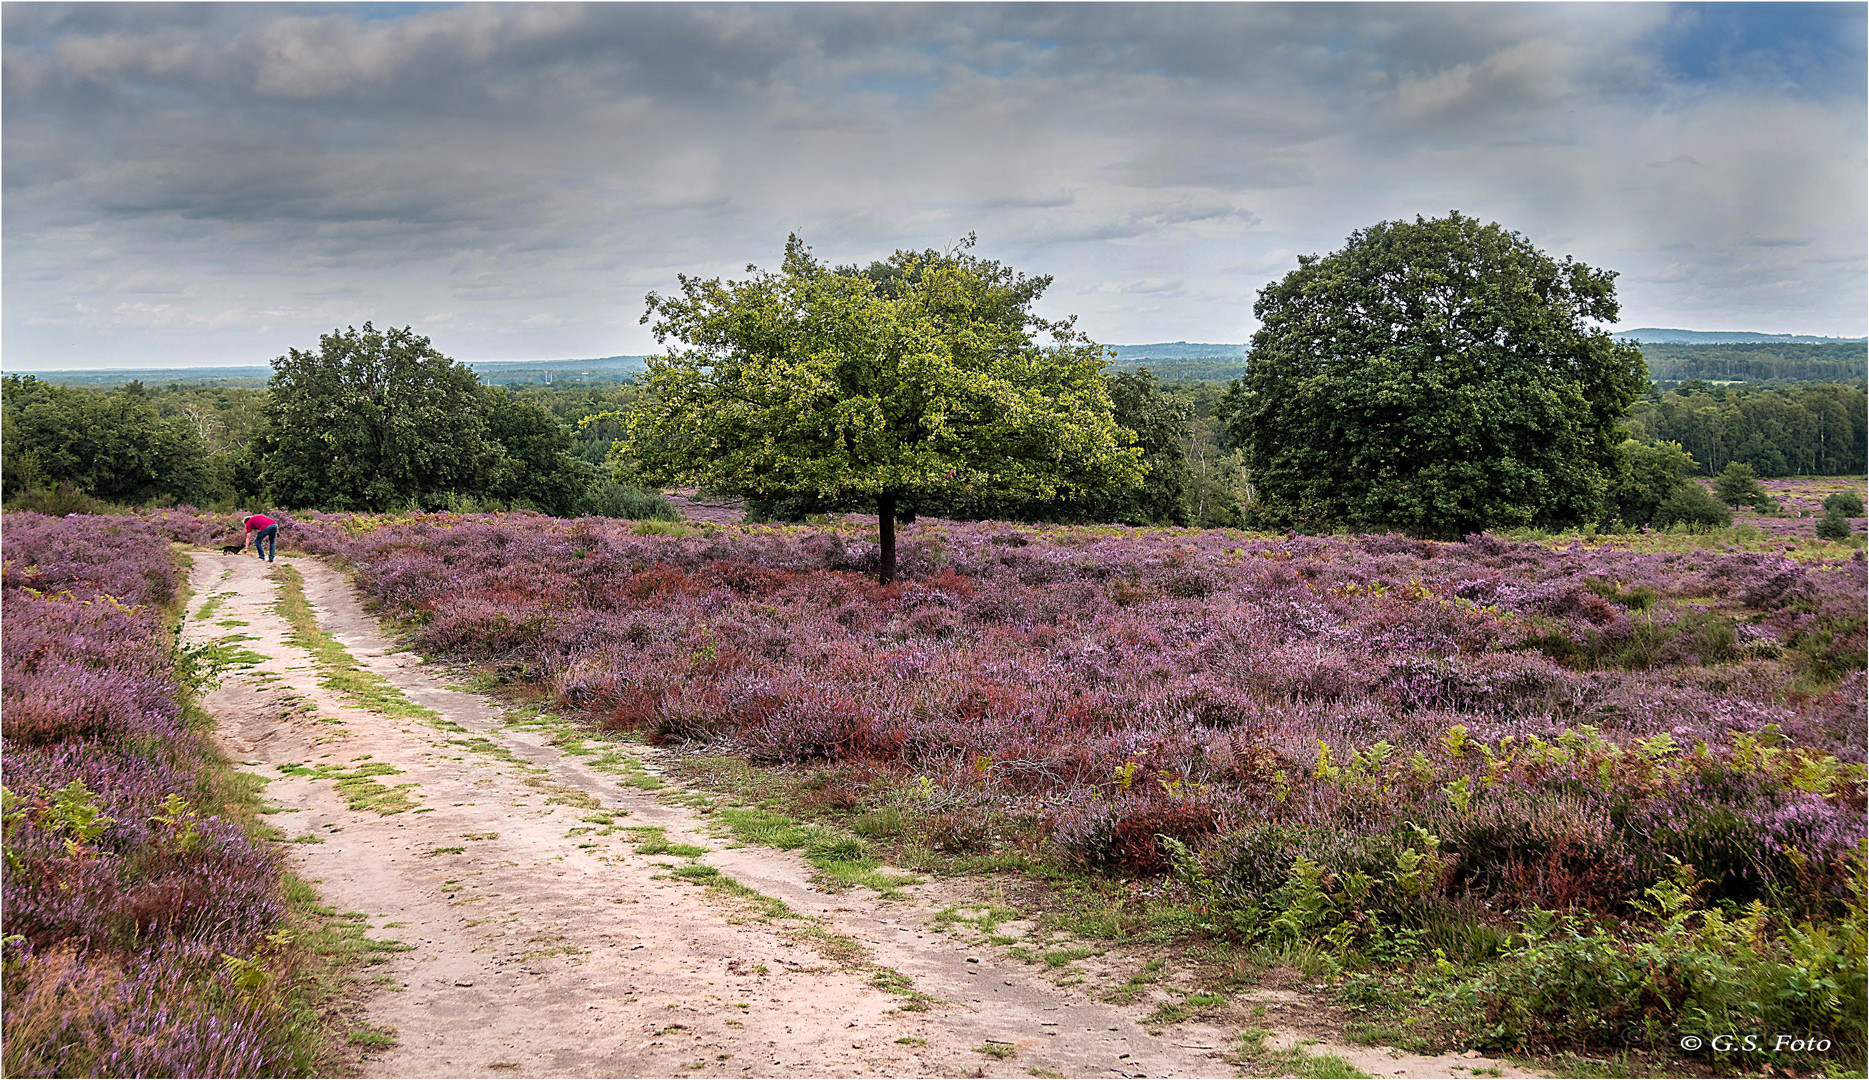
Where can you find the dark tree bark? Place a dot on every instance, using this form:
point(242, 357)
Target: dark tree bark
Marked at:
point(886, 524)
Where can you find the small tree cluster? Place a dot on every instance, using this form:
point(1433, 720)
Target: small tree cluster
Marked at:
point(378, 420)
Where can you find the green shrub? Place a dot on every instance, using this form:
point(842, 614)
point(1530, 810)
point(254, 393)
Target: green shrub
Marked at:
point(1738, 485)
point(1572, 981)
point(1690, 508)
point(612, 500)
point(60, 500)
point(1834, 526)
point(1847, 503)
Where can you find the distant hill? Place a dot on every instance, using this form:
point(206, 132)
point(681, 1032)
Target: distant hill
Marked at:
point(1657, 336)
point(497, 372)
point(99, 378)
point(599, 369)
point(1177, 350)
point(1182, 361)
point(1673, 356)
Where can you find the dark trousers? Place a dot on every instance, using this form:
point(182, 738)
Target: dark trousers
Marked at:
point(270, 536)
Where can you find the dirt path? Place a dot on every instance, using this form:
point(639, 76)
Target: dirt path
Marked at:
point(543, 943)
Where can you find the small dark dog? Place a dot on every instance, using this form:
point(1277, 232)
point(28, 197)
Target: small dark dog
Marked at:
point(232, 549)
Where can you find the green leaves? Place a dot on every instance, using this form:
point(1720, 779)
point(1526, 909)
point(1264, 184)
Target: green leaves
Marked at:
point(379, 420)
point(373, 420)
point(1436, 377)
point(913, 379)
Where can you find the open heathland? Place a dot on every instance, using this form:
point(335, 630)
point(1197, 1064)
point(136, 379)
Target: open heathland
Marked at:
point(143, 922)
point(1590, 792)
point(1555, 795)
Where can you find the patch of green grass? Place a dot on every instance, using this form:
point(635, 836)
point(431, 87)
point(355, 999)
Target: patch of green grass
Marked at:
point(1295, 1062)
point(911, 1040)
point(341, 671)
point(653, 840)
point(627, 768)
point(489, 748)
point(984, 918)
point(360, 790)
point(839, 857)
point(444, 851)
point(1122, 995)
point(1057, 958)
point(369, 1036)
point(715, 881)
point(1168, 1012)
point(999, 1050)
point(881, 822)
point(891, 981)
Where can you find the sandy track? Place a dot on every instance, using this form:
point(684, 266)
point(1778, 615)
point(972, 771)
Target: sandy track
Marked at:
point(543, 945)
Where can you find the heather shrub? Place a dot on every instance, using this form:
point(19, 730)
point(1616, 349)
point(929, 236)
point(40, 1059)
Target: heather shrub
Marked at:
point(1570, 981)
point(148, 1014)
point(121, 896)
point(1558, 722)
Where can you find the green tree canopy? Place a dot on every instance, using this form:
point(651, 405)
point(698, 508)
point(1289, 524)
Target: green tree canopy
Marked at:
point(1439, 376)
point(919, 381)
point(112, 445)
point(1738, 485)
point(372, 420)
point(532, 463)
point(1649, 474)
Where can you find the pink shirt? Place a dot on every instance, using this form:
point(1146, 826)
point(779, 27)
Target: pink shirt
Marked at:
point(258, 522)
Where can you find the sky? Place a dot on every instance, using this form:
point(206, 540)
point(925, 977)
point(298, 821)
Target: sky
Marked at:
point(215, 184)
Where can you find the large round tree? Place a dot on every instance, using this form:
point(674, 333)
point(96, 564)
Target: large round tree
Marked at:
point(1440, 376)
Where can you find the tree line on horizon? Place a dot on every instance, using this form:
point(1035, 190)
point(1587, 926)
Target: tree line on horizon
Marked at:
point(919, 385)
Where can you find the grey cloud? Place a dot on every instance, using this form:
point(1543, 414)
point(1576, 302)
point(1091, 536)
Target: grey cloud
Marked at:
point(1187, 169)
point(1031, 202)
point(492, 164)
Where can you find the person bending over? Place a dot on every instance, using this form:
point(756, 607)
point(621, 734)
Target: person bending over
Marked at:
point(262, 530)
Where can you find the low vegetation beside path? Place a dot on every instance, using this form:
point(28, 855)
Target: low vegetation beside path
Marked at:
point(1509, 795)
point(1565, 795)
point(149, 929)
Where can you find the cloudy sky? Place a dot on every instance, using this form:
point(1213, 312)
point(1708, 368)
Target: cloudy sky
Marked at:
point(217, 183)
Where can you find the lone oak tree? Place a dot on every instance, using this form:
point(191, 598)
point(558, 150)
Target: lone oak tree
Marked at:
point(1438, 376)
point(921, 380)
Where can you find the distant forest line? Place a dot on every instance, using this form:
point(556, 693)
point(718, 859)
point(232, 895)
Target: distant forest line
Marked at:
point(197, 443)
point(1669, 365)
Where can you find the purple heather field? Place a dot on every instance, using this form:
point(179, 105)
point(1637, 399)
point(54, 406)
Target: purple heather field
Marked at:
point(1566, 719)
point(122, 900)
point(1551, 724)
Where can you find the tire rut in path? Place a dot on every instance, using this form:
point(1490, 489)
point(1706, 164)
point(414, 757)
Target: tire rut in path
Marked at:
point(543, 945)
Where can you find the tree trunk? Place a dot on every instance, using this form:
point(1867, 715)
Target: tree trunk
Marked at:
point(886, 524)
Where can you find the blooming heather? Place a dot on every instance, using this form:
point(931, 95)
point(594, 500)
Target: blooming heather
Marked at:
point(121, 898)
point(1566, 720)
